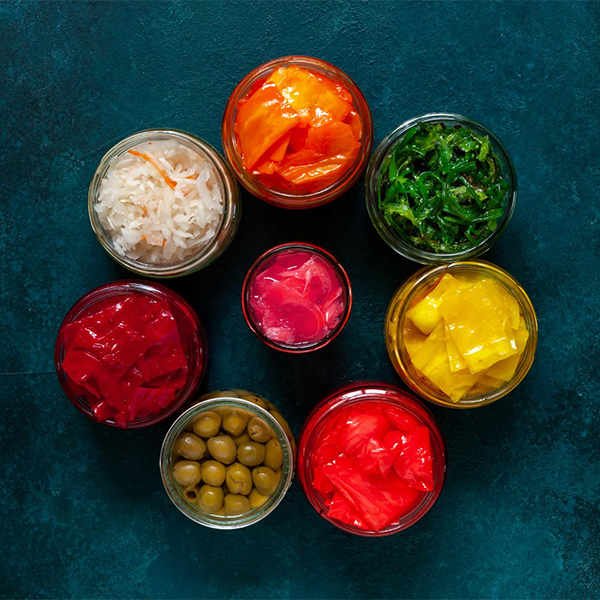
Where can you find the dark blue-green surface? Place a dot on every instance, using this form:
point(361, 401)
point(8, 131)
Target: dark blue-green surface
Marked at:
point(83, 512)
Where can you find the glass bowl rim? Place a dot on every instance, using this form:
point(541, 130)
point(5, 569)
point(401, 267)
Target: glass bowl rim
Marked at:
point(427, 274)
point(289, 199)
point(342, 277)
point(231, 205)
point(254, 515)
point(393, 239)
point(116, 288)
point(374, 391)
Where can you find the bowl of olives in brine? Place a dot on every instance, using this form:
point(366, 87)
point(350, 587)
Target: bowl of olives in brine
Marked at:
point(228, 460)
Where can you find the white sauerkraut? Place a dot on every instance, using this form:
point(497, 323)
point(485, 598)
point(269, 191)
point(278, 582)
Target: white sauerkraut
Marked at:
point(160, 202)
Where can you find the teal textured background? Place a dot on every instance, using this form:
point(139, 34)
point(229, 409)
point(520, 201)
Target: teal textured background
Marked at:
point(83, 512)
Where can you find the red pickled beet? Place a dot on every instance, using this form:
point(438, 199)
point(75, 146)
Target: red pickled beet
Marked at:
point(296, 298)
point(372, 464)
point(125, 357)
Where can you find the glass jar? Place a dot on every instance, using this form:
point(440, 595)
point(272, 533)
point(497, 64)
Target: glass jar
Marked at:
point(286, 198)
point(417, 287)
point(263, 262)
point(402, 245)
point(191, 333)
point(205, 255)
point(254, 405)
point(363, 395)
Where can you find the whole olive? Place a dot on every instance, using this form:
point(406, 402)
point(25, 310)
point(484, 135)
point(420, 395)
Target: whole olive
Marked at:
point(242, 439)
point(210, 498)
point(238, 479)
point(236, 504)
point(265, 480)
point(213, 472)
point(190, 446)
point(273, 454)
point(251, 454)
point(222, 448)
point(186, 473)
point(235, 422)
point(256, 498)
point(255, 399)
point(259, 431)
point(207, 424)
point(220, 394)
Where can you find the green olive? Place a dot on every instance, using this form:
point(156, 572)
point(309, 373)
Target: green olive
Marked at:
point(210, 498)
point(222, 411)
point(255, 399)
point(213, 472)
point(187, 473)
point(190, 446)
point(273, 455)
point(242, 439)
point(191, 494)
point(236, 504)
point(219, 394)
point(235, 422)
point(265, 480)
point(251, 454)
point(207, 424)
point(222, 448)
point(238, 479)
point(259, 431)
point(256, 498)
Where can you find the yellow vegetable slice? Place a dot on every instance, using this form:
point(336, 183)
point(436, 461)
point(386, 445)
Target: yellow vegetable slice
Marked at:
point(465, 282)
point(455, 358)
point(477, 327)
point(502, 299)
point(431, 359)
point(434, 345)
point(505, 369)
point(412, 338)
point(425, 314)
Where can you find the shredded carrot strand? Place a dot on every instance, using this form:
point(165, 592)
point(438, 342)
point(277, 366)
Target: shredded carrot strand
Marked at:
point(157, 166)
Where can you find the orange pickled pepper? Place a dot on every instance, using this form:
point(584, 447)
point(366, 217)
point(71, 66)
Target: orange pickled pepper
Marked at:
point(298, 130)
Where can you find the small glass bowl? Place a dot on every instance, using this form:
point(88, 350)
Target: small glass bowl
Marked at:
point(229, 221)
point(191, 332)
point(358, 394)
point(287, 199)
point(258, 406)
point(346, 297)
point(416, 287)
point(403, 246)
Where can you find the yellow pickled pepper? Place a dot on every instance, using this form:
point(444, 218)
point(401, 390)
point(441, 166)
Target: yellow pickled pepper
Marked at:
point(467, 334)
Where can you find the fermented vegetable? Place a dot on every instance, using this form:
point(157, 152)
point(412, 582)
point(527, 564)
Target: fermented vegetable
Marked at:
point(441, 188)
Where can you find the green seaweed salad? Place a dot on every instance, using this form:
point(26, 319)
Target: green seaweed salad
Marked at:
point(441, 188)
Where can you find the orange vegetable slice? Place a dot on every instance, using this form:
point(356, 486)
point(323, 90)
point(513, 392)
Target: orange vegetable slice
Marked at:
point(355, 122)
point(334, 86)
point(274, 155)
point(329, 150)
point(262, 121)
point(308, 94)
